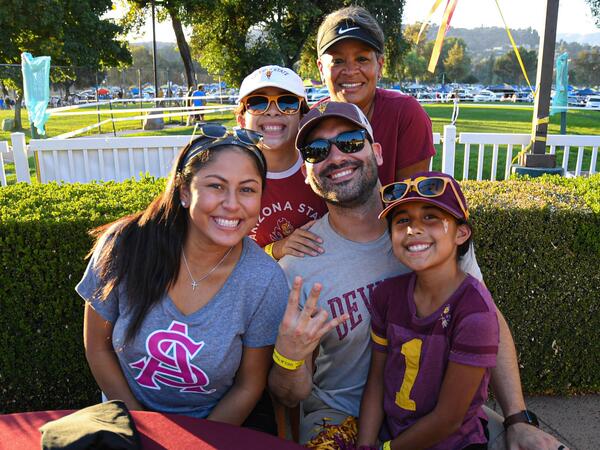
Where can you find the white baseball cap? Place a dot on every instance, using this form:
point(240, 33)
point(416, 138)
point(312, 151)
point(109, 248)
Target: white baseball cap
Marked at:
point(273, 76)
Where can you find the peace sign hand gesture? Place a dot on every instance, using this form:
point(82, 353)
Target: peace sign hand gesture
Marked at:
point(301, 330)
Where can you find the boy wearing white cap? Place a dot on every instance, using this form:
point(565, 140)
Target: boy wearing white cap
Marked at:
point(272, 101)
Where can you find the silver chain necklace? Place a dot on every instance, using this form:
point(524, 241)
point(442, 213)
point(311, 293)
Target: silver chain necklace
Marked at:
point(195, 283)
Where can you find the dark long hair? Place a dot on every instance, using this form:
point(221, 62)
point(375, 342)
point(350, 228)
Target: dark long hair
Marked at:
point(143, 250)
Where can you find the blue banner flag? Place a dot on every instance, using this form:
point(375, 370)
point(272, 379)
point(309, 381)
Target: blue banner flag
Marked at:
point(559, 102)
point(36, 88)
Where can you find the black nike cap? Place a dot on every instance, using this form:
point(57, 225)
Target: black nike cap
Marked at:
point(348, 29)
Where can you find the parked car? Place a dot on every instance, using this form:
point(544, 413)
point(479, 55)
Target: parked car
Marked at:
point(593, 101)
point(233, 98)
point(55, 101)
point(320, 94)
point(485, 96)
point(523, 96)
point(148, 92)
point(463, 95)
point(310, 91)
point(426, 96)
point(573, 100)
point(88, 95)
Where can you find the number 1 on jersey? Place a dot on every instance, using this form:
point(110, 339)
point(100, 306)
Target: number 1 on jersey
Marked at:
point(412, 354)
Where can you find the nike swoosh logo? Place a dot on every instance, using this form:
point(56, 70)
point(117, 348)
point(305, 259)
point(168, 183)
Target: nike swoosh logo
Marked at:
point(340, 31)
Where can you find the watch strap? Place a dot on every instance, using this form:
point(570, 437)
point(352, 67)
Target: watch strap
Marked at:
point(524, 416)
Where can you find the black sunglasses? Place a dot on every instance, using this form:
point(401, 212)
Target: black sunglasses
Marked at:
point(348, 142)
point(214, 135)
point(259, 104)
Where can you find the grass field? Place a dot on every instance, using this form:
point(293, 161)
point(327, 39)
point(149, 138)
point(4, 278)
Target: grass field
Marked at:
point(481, 118)
point(502, 118)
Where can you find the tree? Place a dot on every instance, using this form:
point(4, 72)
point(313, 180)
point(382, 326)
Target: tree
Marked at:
point(414, 66)
point(483, 69)
point(71, 32)
point(178, 12)
point(235, 37)
point(411, 32)
point(457, 63)
point(508, 70)
point(169, 62)
point(440, 70)
point(586, 67)
point(595, 7)
point(414, 62)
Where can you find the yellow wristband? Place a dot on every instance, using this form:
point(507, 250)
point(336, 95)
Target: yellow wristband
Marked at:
point(269, 250)
point(286, 363)
point(387, 445)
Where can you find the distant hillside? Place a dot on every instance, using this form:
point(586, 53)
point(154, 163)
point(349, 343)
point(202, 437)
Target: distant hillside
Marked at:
point(590, 39)
point(481, 42)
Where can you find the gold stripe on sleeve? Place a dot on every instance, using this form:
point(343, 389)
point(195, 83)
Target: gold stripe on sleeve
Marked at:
point(378, 340)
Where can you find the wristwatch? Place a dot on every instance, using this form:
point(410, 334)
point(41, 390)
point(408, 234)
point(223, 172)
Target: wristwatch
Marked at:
point(525, 416)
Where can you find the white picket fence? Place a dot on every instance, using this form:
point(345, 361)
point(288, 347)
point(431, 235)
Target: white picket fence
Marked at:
point(119, 158)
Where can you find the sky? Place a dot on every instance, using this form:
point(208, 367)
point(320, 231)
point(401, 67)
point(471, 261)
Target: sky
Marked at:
point(574, 16)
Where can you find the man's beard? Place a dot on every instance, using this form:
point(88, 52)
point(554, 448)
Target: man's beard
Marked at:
point(354, 192)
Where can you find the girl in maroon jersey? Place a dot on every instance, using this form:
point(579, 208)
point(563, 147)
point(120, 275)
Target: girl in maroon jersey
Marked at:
point(434, 330)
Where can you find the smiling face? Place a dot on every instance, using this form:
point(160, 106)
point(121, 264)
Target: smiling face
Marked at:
point(279, 130)
point(345, 179)
point(350, 69)
point(223, 198)
point(425, 236)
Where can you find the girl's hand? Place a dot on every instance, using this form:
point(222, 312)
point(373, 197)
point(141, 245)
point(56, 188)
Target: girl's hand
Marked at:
point(301, 330)
point(301, 242)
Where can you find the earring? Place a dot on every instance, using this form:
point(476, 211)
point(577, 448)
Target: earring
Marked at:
point(183, 203)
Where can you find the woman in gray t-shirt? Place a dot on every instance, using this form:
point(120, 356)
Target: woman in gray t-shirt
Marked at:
point(181, 308)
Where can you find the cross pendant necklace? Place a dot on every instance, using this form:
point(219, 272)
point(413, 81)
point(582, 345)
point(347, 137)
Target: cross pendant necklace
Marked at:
point(195, 283)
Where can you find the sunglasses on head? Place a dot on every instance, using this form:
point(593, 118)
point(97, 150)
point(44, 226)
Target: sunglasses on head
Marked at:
point(217, 131)
point(347, 142)
point(221, 135)
point(424, 186)
point(259, 103)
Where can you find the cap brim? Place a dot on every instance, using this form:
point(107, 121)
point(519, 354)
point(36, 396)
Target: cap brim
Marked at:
point(367, 41)
point(271, 84)
point(430, 200)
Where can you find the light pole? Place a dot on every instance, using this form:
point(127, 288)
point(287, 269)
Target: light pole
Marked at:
point(154, 49)
point(538, 157)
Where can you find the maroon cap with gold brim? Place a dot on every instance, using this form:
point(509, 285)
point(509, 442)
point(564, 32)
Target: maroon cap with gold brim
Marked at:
point(451, 199)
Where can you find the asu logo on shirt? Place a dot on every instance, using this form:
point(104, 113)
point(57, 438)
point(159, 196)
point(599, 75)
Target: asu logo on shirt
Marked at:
point(283, 228)
point(169, 361)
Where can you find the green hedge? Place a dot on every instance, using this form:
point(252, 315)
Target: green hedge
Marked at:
point(538, 244)
point(43, 242)
point(537, 241)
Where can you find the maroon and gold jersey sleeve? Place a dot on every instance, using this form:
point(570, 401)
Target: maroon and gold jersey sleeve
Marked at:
point(379, 306)
point(475, 335)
